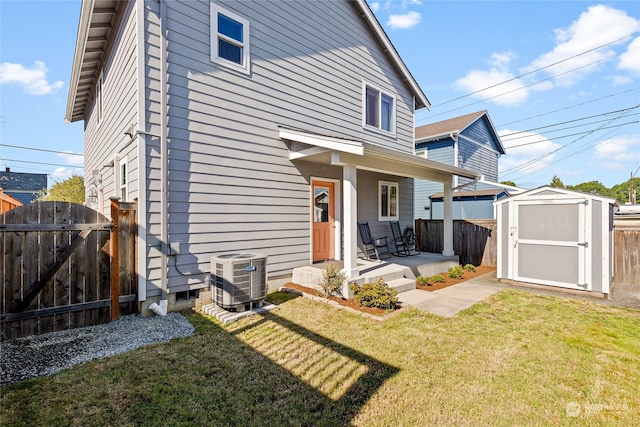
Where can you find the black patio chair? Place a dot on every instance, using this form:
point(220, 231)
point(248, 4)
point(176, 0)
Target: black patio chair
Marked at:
point(398, 241)
point(411, 241)
point(373, 247)
point(405, 243)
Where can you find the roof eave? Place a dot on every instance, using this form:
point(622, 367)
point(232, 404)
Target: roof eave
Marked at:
point(78, 57)
point(421, 100)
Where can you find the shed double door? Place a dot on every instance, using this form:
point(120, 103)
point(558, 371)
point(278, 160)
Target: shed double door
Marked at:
point(549, 242)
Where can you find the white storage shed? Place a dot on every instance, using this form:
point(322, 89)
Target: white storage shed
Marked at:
point(557, 237)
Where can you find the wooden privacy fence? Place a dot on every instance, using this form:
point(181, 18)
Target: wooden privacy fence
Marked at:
point(474, 241)
point(626, 263)
point(57, 262)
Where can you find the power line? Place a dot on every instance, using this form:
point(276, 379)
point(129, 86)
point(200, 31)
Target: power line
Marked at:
point(571, 106)
point(41, 163)
point(534, 71)
point(569, 121)
point(572, 134)
point(42, 149)
point(532, 161)
point(522, 87)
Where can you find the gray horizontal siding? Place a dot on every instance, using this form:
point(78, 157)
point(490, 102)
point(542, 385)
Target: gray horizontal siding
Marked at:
point(231, 185)
point(106, 140)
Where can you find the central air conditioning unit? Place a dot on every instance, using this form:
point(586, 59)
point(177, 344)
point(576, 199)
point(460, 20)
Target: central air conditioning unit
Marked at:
point(239, 281)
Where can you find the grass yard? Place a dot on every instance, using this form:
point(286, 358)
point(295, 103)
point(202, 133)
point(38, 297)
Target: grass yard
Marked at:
point(516, 359)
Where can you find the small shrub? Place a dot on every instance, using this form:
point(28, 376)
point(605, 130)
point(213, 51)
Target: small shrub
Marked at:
point(438, 278)
point(470, 267)
point(376, 295)
point(455, 272)
point(332, 280)
point(422, 281)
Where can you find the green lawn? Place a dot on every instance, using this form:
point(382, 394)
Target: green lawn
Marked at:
point(516, 359)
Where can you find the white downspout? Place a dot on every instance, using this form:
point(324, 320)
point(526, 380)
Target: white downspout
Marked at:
point(164, 164)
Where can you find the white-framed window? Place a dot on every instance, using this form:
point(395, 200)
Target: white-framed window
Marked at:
point(388, 201)
point(99, 109)
point(379, 109)
point(122, 178)
point(229, 39)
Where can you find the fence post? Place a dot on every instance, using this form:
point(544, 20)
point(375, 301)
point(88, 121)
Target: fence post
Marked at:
point(115, 259)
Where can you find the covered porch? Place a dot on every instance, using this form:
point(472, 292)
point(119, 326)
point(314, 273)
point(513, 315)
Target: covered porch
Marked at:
point(399, 273)
point(351, 156)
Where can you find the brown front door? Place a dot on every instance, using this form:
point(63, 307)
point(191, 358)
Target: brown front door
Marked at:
point(323, 239)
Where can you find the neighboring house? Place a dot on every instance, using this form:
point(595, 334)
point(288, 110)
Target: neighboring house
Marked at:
point(470, 141)
point(22, 186)
point(225, 120)
point(7, 202)
point(472, 204)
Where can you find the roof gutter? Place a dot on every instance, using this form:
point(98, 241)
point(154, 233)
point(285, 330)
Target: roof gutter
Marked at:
point(421, 100)
point(86, 11)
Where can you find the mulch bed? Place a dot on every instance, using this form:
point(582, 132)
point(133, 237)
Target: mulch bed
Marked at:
point(449, 281)
point(351, 303)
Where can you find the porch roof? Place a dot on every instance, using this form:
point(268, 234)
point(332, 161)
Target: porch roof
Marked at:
point(342, 151)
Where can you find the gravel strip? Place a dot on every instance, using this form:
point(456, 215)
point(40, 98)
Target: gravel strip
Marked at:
point(29, 357)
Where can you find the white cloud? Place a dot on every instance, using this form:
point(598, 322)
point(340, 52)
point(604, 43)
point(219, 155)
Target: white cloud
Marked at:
point(475, 80)
point(630, 60)
point(405, 21)
point(71, 159)
point(34, 79)
point(519, 154)
point(617, 152)
point(596, 26)
point(62, 173)
point(375, 6)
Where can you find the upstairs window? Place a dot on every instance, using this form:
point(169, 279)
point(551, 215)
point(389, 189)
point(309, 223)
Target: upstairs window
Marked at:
point(379, 109)
point(387, 201)
point(229, 39)
point(99, 99)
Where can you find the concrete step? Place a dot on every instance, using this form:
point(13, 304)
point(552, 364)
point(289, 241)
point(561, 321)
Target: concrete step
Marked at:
point(402, 285)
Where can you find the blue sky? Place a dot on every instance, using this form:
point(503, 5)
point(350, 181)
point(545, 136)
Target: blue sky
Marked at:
point(563, 79)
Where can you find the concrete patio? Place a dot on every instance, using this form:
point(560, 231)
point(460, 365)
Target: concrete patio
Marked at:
point(399, 273)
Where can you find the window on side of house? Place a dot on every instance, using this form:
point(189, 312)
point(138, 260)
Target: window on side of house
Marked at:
point(229, 39)
point(388, 201)
point(379, 109)
point(122, 179)
point(99, 109)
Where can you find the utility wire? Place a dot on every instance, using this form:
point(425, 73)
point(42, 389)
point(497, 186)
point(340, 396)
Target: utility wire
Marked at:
point(522, 87)
point(534, 71)
point(507, 135)
point(572, 134)
point(42, 149)
point(532, 161)
point(42, 163)
point(571, 106)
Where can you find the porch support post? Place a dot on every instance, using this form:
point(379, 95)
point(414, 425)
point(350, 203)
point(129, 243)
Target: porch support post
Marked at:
point(448, 219)
point(350, 218)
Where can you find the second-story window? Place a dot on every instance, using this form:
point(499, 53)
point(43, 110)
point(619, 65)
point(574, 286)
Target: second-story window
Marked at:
point(99, 110)
point(229, 39)
point(379, 109)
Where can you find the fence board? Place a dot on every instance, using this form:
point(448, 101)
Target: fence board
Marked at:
point(36, 237)
point(474, 241)
point(626, 255)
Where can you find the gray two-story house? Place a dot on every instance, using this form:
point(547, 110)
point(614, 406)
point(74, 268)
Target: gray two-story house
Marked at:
point(268, 127)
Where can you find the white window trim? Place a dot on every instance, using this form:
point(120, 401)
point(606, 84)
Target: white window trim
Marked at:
point(245, 67)
point(118, 163)
point(378, 129)
point(99, 99)
point(396, 217)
